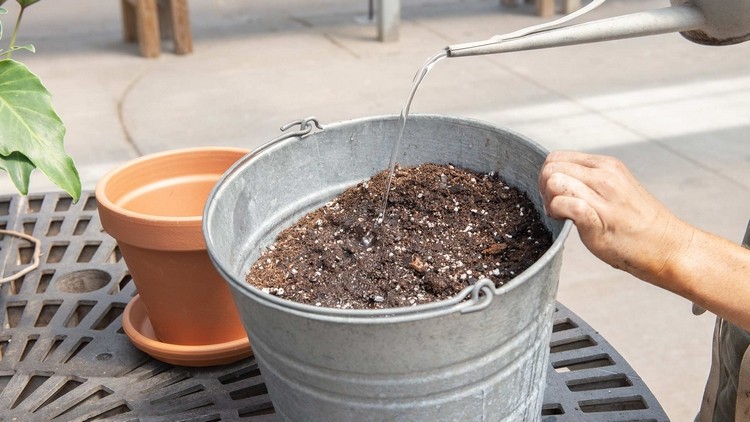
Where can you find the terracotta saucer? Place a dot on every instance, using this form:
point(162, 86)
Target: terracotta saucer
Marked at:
point(138, 328)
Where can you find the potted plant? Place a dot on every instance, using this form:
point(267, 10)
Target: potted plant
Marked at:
point(163, 320)
point(31, 132)
point(480, 355)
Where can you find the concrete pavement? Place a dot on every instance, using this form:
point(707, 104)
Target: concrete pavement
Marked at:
point(677, 113)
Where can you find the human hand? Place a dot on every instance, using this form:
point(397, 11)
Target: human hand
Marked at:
point(617, 219)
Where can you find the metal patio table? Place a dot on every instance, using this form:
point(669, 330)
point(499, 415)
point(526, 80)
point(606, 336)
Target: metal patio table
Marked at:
point(64, 355)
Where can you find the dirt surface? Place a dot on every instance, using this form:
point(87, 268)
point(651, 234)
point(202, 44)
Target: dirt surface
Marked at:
point(445, 229)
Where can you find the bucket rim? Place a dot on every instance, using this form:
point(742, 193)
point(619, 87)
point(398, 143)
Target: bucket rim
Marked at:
point(456, 303)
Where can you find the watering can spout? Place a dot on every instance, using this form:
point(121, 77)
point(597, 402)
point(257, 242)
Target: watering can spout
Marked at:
point(710, 22)
point(653, 22)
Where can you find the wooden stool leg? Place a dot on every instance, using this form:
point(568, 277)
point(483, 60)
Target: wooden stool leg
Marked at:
point(545, 8)
point(164, 9)
point(180, 22)
point(389, 19)
point(129, 31)
point(148, 28)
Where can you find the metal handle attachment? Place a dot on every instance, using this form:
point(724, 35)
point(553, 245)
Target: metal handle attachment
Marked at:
point(481, 296)
point(306, 126)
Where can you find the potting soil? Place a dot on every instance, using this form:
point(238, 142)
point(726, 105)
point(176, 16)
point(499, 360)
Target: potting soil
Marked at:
point(445, 229)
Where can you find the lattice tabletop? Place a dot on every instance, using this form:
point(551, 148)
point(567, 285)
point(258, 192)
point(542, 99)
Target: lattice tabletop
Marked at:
point(65, 357)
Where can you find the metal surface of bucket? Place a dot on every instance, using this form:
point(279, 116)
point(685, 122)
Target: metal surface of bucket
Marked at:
point(479, 359)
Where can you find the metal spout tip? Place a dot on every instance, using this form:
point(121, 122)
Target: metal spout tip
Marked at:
point(472, 48)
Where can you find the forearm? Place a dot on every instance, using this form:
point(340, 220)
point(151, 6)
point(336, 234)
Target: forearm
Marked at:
point(711, 272)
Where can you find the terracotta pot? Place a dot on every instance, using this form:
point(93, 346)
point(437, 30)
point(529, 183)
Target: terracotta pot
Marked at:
point(153, 207)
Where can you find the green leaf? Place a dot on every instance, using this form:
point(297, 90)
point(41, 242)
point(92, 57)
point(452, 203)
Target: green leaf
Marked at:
point(30, 126)
point(29, 47)
point(26, 3)
point(19, 169)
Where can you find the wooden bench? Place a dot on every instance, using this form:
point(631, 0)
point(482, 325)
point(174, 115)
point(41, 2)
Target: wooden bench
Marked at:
point(389, 13)
point(144, 20)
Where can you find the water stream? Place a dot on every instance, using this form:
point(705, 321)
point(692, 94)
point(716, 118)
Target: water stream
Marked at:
point(369, 237)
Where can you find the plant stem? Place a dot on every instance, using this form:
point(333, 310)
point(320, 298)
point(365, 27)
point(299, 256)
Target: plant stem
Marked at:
point(15, 32)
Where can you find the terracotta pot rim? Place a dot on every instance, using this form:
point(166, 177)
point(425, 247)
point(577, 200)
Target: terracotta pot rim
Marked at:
point(104, 202)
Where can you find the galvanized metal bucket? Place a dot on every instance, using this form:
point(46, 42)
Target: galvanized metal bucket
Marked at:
point(483, 358)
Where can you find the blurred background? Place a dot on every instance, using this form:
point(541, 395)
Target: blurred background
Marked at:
point(677, 113)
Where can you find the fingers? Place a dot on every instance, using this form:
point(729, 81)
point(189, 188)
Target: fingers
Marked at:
point(581, 212)
point(568, 183)
point(552, 172)
point(600, 174)
point(568, 197)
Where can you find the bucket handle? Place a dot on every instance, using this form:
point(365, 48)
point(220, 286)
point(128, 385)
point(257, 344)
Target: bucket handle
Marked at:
point(481, 296)
point(306, 126)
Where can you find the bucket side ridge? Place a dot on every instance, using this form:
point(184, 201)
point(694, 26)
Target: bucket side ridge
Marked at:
point(426, 398)
point(471, 368)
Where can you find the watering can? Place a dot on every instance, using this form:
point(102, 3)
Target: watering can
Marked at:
point(708, 22)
